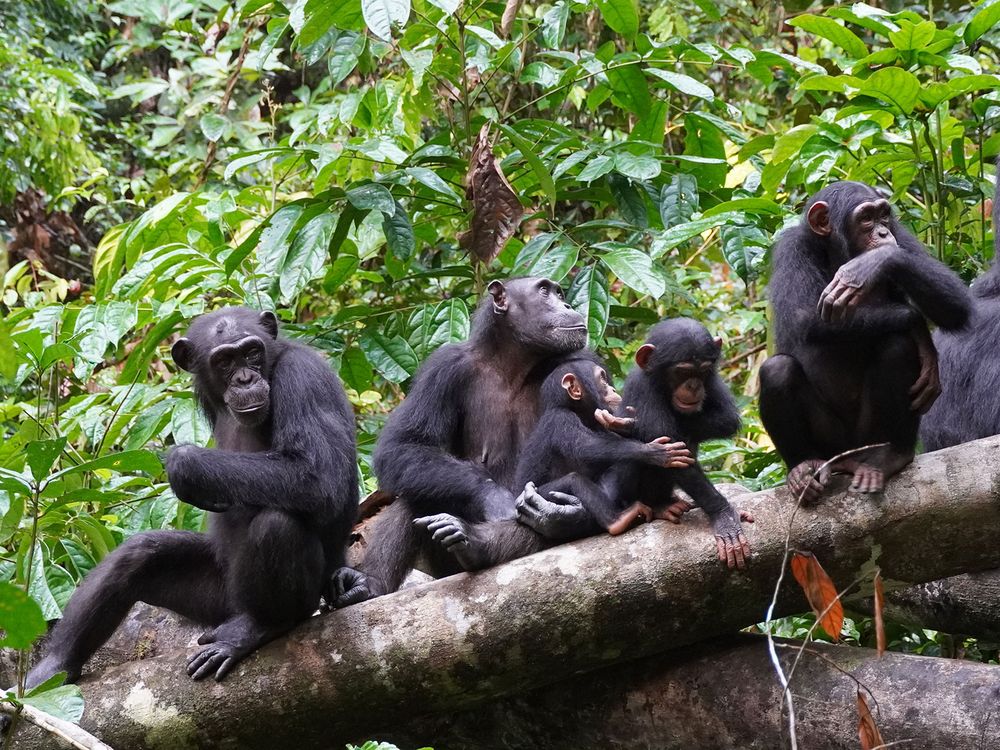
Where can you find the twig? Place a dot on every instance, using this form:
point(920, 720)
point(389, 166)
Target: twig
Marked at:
point(769, 617)
point(70, 733)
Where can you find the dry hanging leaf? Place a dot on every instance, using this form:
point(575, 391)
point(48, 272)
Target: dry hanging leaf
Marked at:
point(879, 622)
point(867, 729)
point(496, 211)
point(509, 16)
point(820, 592)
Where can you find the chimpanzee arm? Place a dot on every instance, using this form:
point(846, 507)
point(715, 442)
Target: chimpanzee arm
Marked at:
point(732, 545)
point(310, 463)
point(933, 287)
point(413, 456)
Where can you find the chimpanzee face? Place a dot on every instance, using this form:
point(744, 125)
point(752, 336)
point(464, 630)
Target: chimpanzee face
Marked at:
point(589, 385)
point(687, 385)
point(228, 353)
point(870, 225)
point(536, 313)
point(856, 218)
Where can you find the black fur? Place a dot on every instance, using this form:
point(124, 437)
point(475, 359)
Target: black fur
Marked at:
point(283, 484)
point(452, 445)
point(834, 385)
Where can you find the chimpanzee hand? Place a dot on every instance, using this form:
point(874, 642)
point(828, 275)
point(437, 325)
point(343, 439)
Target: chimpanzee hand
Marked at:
point(733, 548)
point(348, 586)
point(927, 388)
point(611, 423)
point(674, 511)
point(852, 284)
point(662, 452)
point(183, 470)
point(561, 517)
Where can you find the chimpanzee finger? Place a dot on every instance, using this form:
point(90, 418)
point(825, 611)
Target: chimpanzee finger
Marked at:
point(730, 553)
point(746, 517)
point(745, 546)
point(737, 548)
point(207, 637)
point(457, 539)
point(354, 595)
point(561, 498)
point(720, 548)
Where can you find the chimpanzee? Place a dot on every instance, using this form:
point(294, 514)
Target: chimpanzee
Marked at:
point(855, 364)
point(452, 445)
point(569, 449)
point(282, 488)
point(968, 408)
point(676, 390)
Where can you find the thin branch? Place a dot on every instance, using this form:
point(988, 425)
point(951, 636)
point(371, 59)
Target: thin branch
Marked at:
point(70, 733)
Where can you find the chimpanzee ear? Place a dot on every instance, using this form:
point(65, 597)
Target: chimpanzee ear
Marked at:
point(499, 293)
point(183, 353)
point(572, 386)
point(269, 323)
point(643, 354)
point(819, 218)
point(718, 342)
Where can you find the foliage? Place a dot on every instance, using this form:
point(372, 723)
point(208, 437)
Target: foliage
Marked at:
point(310, 156)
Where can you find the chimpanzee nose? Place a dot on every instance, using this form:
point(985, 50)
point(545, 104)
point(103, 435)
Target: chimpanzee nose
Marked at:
point(243, 376)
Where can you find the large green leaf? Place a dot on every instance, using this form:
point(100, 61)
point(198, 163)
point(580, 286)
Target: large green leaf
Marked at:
point(545, 181)
point(678, 200)
point(596, 167)
point(984, 19)
point(123, 462)
point(344, 55)
point(683, 83)
point(306, 256)
point(621, 15)
point(637, 166)
point(40, 455)
point(629, 199)
point(589, 296)
point(912, 36)
point(829, 29)
point(64, 702)
point(382, 15)
point(21, 620)
point(392, 355)
point(372, 195)
point(399, 233)
point(893, 85)
point(634, 268)
point(355, 370)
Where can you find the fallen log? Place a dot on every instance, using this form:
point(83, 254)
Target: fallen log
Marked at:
point(470, 639)
point(722, 695)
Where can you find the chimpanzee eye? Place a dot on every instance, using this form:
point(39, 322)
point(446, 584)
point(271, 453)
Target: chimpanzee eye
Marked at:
point(254, 358)
point(544, 290)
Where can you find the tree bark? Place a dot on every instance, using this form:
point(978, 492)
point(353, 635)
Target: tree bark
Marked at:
point(469, 639)
point(722, 695)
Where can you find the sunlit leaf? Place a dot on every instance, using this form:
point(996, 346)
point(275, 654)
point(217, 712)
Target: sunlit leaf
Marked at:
point(912, 36)
point(984, 19)
point(64, 702)
point(829, 29)
point(382, 15)
point(621, 15)
point(820, 592)
point(893, 85)
point(213, 126)
point(683, 83)
point(635, 269)
point(306, 256)
point(21, 620)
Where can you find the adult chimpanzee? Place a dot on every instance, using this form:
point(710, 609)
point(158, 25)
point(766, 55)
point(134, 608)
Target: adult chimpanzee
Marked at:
point(968, 408)
point(855, 364)
point(569, 449)
point(282, 489)
point(676, 390)
point(452, 445)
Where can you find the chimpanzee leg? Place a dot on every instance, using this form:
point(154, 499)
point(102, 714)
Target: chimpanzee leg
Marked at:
point(886, 413)
point(274, 582)
point(173, 569)
point(476, 546)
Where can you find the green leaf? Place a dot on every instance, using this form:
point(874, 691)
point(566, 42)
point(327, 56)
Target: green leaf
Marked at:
point(545, 181)
point(589, 296)
point(893, 85)
point(635, 269)
point(555, 263)
point(21, 620)
point(391, 356)
point(213, 126)
point(678, 200)
point(596, 167)
point(829, 29)
point(381, 15)
point(789, 144)
point(38, 589)
point(621, 15)
point(123, 462)
point(372, 196)
point(8, 358)
point(750, 205)
point(275, 236)
point(554, 25)
point(674, 236)
point(430, 179)
point(344, 55)
point(399, 233)
point(683, 83)
point(450, 323)
point(637, 166)
point(355, 370)
point(64, 702)
point(629, 199)
point(984, 19)
point(42, 454)
point(448, 6)
point(912, 36)
point(141, 90)
point(305, 259)
point(243, 160)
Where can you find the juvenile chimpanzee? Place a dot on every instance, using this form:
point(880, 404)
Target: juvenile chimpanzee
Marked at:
point(282, 488)
point(452, 445)
point(569, 449)
point(969, 408)
point(676, 390)
point(855, 364)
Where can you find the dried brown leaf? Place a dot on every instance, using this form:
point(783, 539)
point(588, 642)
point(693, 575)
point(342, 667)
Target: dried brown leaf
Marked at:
point(820, 592)
point(879, 607)
point(868, 732)
point(496, 211)
point(509, 16)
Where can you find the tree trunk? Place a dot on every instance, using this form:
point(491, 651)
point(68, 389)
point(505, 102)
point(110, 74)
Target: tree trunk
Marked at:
point(723, 695)
point(469, 639)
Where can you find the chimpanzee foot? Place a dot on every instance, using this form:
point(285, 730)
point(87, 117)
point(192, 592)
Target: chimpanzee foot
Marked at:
point(456, 537)
point(633, 515)
point(228, 645)
point(348, 586)
point(868, 479)
point(806, 483)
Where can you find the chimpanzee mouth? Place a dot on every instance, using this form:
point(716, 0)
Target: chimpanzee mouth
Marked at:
point(687, 407)
point(248, 408)
point(571, 328)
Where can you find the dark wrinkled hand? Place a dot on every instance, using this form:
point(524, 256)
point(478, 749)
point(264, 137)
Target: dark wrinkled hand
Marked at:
point(851, 285)
point(347, 586)
point(559, 517)
point(182, 473)
point(669, 455)
point(732, 547)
